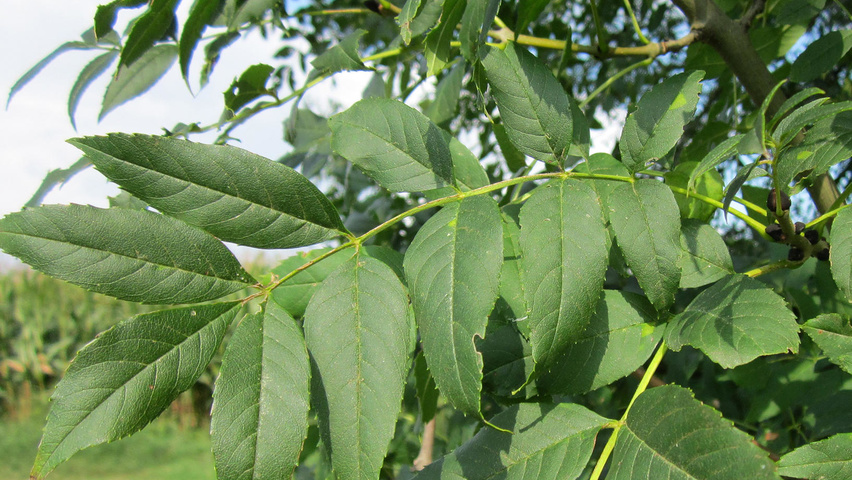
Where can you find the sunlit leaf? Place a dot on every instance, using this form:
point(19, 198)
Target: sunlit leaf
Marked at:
point(127, 376)
point(129, 254)
point(150, 27)
point(245, 199)
point(705, 258)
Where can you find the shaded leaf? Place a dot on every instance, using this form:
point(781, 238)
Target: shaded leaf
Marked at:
point(90, 72)
point(833, 334)
point(656, 125)
point(828, 142)
point(394, 144)
point(201, 15)
point(357, 329)
point(56, 177)
point(821, 55)
point(710, 184)
point(646, 222)
point(427, 391)
point(127, 376)
point(527, 12)
point(468, 171)
point(260, 403)
point(150, 27)
point(735, 321)
point(245, 199)
point(341, 57)
point(824, 460)
point(250, 86)
point(705, 258)
point(547, 441)
point(452, 267)
point(409, 10)
point(841, 251)
point(619, 339)
point(438, 52)
point(295, 293)
point(134, 80)
point(533, 106)
point(563, 240)
point(719, 154)
point(129, 254)
point(603, 164)
point(446, 102)
point(806, 115)
point(38, 67)
point(475, 23)
point(669, 434)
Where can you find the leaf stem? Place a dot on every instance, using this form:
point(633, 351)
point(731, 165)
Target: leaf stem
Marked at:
point(772, 267)
point(609, 81)
point(635, 22)
point(643, 385)
point(826, 216)
point(757, 226)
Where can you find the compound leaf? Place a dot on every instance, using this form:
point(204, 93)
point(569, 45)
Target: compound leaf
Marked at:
point(394, 144)
point(669, 434)
point(453, 267)
point(358, 332)
point(234, 194)
point(547, 442)
point(735, 321)
point(657, 124)
point(645, 218)
point(565, 256)
point(260, 404)
point(532, 103)
point(127, 376)
point(134, 255)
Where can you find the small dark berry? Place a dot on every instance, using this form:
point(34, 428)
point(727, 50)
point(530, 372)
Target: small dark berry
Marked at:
point(771, 201)
point(800, 227)
point(795, 254)
point(812, 236)
point(822, 254)
point(774, 231)
point(373, 5)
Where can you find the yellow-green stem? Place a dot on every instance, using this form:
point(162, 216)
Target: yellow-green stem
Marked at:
point(635, 22)
point(609, 81)
point(757, 226)
point(643, 385)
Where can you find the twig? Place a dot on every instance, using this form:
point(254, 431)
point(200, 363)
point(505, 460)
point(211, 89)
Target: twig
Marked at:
point(426, 445)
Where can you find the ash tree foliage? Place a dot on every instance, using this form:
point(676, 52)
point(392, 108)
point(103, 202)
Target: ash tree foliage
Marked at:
point(476, 294)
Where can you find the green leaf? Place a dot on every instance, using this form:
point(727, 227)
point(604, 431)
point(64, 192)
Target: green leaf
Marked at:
point(795, 12)
point(438, 51)
point(427, 391)
point(794, 101)
point(358, 332)
point(746, 173)
point(705, 256)
point(827, 143)
point(105, 15)
point(260, 403)
point(841, 251)
point(90, 72)
point(475, 23)
point(38, 67)
point(506, 354)
point(532, 103)
point(129, 254)
point(563, 239)
point(127, 376)
point(735, 321)
point(202, 14)
point(409, 10)
point(548, 442)
point(656, 125)
point(295, 293)
point(468, 171)
point(807, 114)
point(710, 184)
point(250, 86)
point(669, 434)
point(719, 154)
point(342, 57)
point(775, 42)
point(644, 216)
point(824, 460)
point(149, 28)
point(452, 267)
point(245, 199)
point(134, 80)
point(427, 16)
point(394, 144)
point(603, 164)
point(527, 12)
point(446, 102)
point(515, 160)
point(512, 277)
point(833, 334)
point(619, 339)
point(56, 177)
point(821, 56)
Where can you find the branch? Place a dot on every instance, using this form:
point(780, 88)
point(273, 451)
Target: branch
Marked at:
point(424, 457)
point(756, 7)
point(653, 50)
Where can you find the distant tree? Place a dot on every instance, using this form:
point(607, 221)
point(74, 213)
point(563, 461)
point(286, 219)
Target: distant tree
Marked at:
point(482, 282)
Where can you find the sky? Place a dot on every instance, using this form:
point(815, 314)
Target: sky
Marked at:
point(34, 127)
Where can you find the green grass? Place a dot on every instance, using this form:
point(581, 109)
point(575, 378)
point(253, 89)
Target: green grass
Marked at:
point(161, 451)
